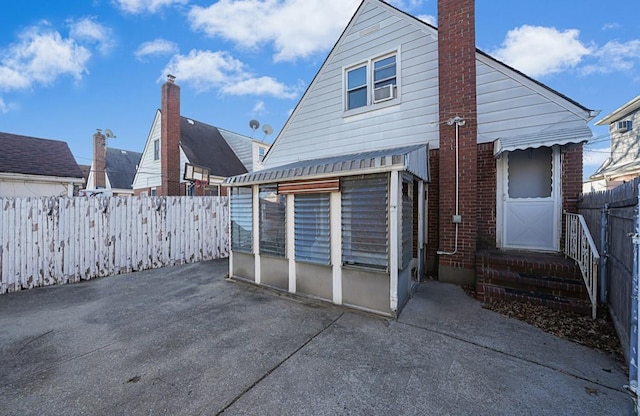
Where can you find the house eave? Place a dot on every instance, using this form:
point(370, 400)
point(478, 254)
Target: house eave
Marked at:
point(21, 177)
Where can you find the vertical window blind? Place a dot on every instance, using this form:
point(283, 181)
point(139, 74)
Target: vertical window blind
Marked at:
point(312, 238)
point(241, 219)
point(273, 227)
point(365, 225)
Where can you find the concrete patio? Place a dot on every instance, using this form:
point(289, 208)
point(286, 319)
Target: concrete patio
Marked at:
point(186, 341)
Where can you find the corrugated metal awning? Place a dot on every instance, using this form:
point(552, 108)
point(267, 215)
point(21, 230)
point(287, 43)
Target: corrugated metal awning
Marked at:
point(543, 139)
point(414, 159)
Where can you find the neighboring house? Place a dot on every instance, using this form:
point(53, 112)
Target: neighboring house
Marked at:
point(624, 162)
point(30, 166)
point(410, 151)
point(183, 156)
point(112, 170)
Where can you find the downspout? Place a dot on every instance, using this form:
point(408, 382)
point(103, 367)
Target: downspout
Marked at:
point(458, 121)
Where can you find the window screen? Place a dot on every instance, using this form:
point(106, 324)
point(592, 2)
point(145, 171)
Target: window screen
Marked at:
point(312, 228)
point(365, 221)
point(530, 173)
point(273, 211)
point(241, 219)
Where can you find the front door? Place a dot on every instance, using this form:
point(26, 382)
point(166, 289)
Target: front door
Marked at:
point(530, 199)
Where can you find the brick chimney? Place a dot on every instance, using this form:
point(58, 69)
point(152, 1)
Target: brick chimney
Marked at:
point(99, 162)
point(170, 138)
point(457, 103)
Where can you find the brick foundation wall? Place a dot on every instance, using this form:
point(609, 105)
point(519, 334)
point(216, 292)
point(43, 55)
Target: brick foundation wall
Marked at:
point(486, 191)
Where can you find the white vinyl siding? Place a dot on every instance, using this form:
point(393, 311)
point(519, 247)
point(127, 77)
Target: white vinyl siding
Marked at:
point(509, 104)
point(273, 229)
point(365, 221)
point(312, 238)
point(241, 219)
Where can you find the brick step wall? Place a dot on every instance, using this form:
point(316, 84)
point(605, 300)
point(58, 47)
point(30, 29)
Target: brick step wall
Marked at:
point(538, 278)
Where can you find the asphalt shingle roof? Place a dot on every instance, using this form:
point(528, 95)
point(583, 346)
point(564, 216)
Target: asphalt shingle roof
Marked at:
point(121, 167)
point(34, 156)
point(204, 146)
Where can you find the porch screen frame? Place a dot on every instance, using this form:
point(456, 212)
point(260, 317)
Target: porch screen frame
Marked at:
point(365, 221)
point(241, 212)
point(272, 221)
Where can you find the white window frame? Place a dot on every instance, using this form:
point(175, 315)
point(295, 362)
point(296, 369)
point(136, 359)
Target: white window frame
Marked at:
point(156, 149)
point(369, 64)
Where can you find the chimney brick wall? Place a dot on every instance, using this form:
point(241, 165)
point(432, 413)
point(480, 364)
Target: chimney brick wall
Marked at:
point(170, 139)
point(99, 162)
point(457, 98)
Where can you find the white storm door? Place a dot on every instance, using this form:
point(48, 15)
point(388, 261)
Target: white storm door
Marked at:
point(531, 199)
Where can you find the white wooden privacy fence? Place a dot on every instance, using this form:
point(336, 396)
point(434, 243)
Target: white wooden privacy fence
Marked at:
point(46, 241)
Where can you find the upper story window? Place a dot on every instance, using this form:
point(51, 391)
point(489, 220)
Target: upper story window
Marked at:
point(372, 82)
point(156, 149)
point(260, 153)
point(357, 87)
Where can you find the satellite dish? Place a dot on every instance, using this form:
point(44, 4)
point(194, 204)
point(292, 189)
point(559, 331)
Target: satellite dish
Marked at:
point(267, 129)
point(254, 124)
point(109, 134)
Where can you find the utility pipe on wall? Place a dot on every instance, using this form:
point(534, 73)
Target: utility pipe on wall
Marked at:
point(458, 121)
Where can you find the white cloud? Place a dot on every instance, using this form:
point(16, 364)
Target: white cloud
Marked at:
point(156, 47)
point(609, 26)
point(87, 29)
point(539, 51)
point(406, 5)
point(427, 18)
point(145, 6)
point(594, 158)
point(206, 70)
point(258, 108)
point(259, 86)
point(295, 28)
point(39, 58)
point(3, 107)
point(615, 57)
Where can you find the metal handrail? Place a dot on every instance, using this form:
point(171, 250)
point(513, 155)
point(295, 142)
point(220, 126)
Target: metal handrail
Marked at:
point(579, 245)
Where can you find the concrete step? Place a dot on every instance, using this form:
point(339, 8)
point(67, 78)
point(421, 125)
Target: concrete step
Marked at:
point(550, 285)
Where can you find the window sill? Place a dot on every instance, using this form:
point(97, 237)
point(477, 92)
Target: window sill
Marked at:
point(371, 107)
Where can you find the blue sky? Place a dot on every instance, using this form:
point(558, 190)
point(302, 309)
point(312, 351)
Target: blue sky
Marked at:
point(70, 67)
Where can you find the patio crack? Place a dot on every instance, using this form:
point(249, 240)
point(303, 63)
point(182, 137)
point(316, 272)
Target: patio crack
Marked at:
point(265, 375)
point(514, 356)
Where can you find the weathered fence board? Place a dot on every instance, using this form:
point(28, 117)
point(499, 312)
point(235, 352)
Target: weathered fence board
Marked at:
point(45, 241)
point(620, 205)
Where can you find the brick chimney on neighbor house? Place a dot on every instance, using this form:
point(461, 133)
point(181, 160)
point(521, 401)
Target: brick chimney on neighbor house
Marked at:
point(458, 110)
point(170, 138)
point(99, 160)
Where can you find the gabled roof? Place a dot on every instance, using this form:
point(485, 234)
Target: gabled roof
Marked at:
point(34, 156)
point(204, 146)
point(623, 111)
point(429, 30)
point(121, 167)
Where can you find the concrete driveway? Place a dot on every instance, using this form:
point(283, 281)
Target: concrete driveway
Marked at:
point(185, 341)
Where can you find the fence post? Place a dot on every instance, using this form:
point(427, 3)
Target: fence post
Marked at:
point(633, 333)
point(604, 250)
